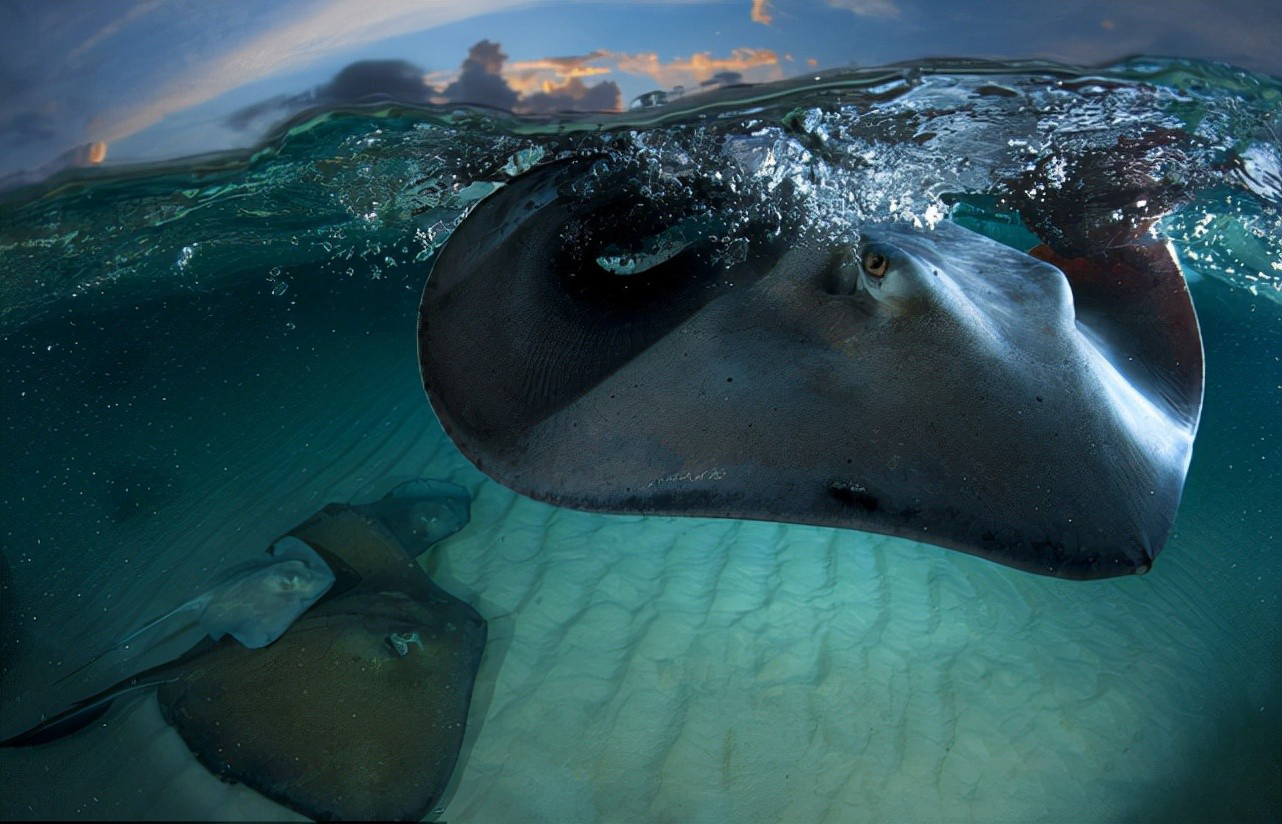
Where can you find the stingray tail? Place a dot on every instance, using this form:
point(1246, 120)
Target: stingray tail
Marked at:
point(194, 604)
point(79, 715)
point(123, 643)
point(86, 665)
point(88, 710)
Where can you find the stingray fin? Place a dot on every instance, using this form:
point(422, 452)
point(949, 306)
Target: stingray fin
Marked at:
point(1135, 296)
point(287, 547)
point(570, 323)
point(361, 546)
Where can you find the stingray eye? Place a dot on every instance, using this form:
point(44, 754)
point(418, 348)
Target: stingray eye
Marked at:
point(875, 264)
point(400, 642)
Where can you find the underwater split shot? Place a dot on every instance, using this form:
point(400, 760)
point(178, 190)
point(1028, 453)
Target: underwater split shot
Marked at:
point(768, 410)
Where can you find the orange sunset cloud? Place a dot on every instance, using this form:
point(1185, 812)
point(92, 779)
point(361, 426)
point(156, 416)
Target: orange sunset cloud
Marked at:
point(558, 75)
point(699, 66)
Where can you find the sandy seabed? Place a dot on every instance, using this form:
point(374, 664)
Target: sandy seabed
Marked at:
point(656, 669)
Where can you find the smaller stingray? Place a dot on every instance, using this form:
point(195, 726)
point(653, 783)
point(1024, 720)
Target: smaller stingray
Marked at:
point(423, 512)
point(357, 711)
point(254, 602)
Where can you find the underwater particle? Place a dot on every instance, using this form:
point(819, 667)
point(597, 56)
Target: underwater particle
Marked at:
point(734, 253)
point(185, 256)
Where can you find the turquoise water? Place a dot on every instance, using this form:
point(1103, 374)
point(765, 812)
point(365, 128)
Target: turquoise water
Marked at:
point(198, 356)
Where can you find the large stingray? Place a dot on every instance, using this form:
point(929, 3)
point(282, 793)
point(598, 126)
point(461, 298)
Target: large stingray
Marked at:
point(928, 383)
point(357, 711)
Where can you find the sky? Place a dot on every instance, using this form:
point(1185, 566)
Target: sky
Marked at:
point(119, 81)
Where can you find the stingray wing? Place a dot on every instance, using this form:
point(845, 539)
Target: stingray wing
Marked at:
point(333, 720)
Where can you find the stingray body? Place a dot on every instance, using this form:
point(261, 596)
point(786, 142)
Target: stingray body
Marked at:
point(256, 606)
point(927, 383)
point(356, 712)
point(254, 602)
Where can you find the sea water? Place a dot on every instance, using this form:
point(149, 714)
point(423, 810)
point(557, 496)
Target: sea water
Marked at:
point(199, 355)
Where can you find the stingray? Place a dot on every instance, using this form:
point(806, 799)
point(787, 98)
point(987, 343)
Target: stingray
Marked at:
point(928, 383)
point(423, 512)
point(254, 602)
point(356, 711)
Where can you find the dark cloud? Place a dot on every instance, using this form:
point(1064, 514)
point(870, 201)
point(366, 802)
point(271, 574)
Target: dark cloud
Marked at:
point(723, 79)
point(29, 125)
point(365, 81)
point(480, 81)
point(368, 80)
point(272, 107)
point(574, 96)
point(85, 154)
point(575, 61)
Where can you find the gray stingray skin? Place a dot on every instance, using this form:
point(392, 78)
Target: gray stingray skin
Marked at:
point(962, 399)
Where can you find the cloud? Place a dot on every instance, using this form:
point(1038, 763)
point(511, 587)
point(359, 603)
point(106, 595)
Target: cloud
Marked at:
point(548, 73)
point(361, 82)
point(397, 80)
point(481, 80)
point(867, 8)
point(550, 84)
point(723, 79)
point(113, 28)
point(484, 80)
point(30, 125)
point(327, 28)
point(274, 108)
point(761, 12)
point(572, 66)
point(551, 75)
point(488, 78)
point(696, 68)
point(575, 95)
